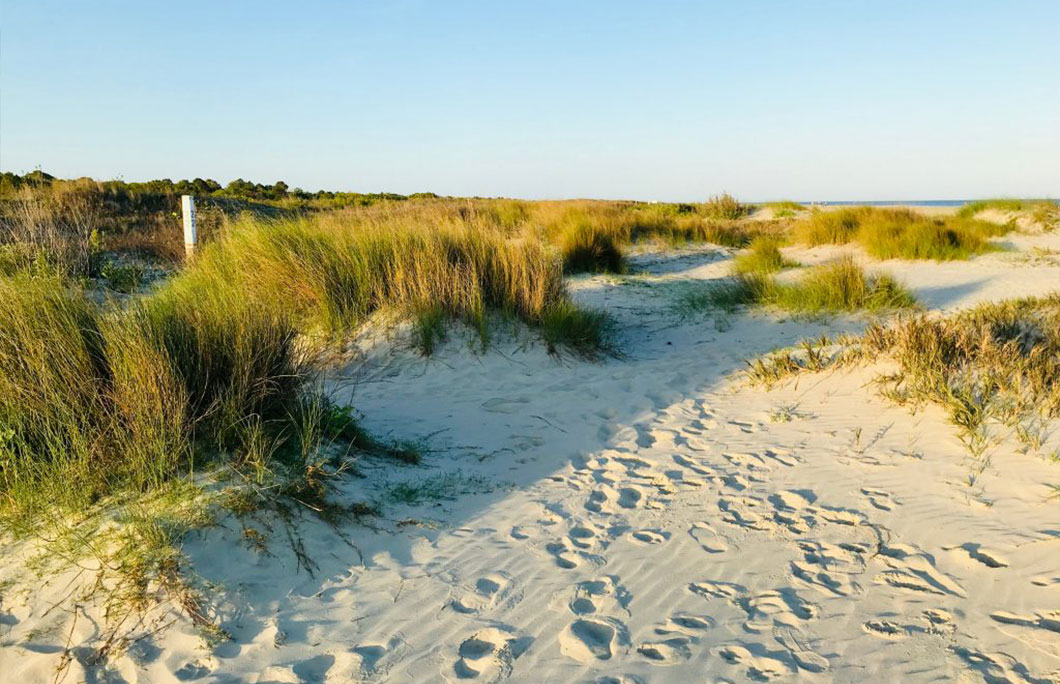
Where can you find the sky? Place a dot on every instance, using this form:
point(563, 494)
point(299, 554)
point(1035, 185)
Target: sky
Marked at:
point(660, 100)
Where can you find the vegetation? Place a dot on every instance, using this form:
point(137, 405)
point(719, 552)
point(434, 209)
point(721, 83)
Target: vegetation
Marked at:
point(970, 209)
point(725, 206)
point(835, 287)
point(998, 364)
point(899, 233)
point(763, 257)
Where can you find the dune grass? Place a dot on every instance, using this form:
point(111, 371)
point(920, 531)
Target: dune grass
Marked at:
point(970, 209)
point(763, 257)
point(899, 233)
point(123, 424)
point(997, 364)
point(725, 206)
point(836, 287)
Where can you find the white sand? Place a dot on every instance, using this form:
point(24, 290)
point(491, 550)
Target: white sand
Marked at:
point(639, 520)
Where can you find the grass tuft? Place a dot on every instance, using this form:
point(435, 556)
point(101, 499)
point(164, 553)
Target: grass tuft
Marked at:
point(836, 287)
point(763, 257)
point(899, 233)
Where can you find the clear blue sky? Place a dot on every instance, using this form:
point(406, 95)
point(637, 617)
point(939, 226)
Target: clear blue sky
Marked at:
point(649, 100)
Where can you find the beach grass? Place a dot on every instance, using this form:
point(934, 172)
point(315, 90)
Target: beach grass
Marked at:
point(899, 233)
point(840, 286)
point(997, 364)
point(762, 257)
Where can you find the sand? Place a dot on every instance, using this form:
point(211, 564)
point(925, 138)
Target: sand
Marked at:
point(644, 519)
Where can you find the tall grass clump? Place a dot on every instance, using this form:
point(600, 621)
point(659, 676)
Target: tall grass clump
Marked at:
point(725, 206)
point(836, 287)
point(587, 248)
point(331, 275)
point(96, 402)
point(899, 233)
point(841, 286)
point(763, 257)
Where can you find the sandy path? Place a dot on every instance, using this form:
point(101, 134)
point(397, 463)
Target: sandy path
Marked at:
point(642, 520)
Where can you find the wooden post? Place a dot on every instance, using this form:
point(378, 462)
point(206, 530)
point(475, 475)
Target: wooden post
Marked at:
point(191, 235)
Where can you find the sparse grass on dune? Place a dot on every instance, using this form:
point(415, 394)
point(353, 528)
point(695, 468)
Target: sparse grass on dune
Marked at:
point(763, 257)
point(997, 362)
point(836, 287)
point(970, 209)
point(788, 205)
point(899, 233)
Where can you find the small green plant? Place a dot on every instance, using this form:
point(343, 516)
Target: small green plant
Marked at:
point(762, 258)
point(839, 286)
point(122, 277)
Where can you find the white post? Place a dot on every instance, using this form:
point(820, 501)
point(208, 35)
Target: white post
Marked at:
point(191, 235)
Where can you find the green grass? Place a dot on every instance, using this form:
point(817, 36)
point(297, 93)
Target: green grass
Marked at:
point(725, 206)
point(835, 287)
point(763, 257)
point(970, 209)
point(785, 205)
point(994, 367)
point(840, 286)
point(899, 233)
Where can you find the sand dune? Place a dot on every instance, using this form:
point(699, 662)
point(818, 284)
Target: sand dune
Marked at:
point(645, 519)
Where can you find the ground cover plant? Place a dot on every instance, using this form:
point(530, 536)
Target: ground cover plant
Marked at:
point(995, 365)
point(899, 233)
point(840, 286)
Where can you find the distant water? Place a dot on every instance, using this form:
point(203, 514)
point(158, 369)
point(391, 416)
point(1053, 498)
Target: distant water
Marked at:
point(911, 203)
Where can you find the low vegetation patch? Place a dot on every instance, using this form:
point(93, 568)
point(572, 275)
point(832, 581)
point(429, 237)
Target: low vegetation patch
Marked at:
point(995, 364)
point(899, 233)
point(836, 287)
point(762, 257)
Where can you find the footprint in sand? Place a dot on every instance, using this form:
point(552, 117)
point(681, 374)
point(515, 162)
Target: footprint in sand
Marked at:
point(782, 608)
point(830, 568)
point(489, 653)
point(584, 536)
point(742, 512)
point(879, 499)
point(375, 658)
point(998, 667)
point(654, 536)
point(885, 629)
point(565, 558)
point(488, 591)
point(783, 457)
point(792, 499)
point(710, 589)
point(697, 468)
point(630, 497)
point(761, 667)
point(976, 552)
point(939, 622)
point(668, 651)
point(707, 538)
point(587, 640)
point(602, 500)
point(1048, 619)
point(804, 657)
point(914, 570)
